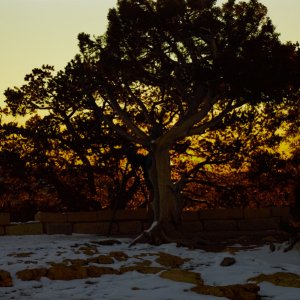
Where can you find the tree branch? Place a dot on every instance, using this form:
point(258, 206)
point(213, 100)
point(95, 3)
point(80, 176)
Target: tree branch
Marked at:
point(141, 105)
point(126, 118)
point(201, 128)
point(98, 111)
point(183, 127)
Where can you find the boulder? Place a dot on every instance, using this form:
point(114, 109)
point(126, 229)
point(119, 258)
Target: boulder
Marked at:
point(170, 261)
point(94, 271)
point(5, 279)
point(182, 276)
point(233, 292)
point(31, 274)
point(63, 272)
point(280, 278)
point(227, 261)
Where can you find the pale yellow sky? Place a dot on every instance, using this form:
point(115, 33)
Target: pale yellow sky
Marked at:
point(36, 32)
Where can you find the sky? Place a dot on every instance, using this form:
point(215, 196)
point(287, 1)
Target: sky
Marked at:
point(37, 32)
point(44, 251)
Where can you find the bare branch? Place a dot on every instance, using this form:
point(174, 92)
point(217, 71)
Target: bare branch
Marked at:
point(201, 128)
point(183, 127)
point(141, 104)
point(111, 124)
point(124, 116)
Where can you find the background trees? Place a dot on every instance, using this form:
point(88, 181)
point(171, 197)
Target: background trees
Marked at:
point(77, 161)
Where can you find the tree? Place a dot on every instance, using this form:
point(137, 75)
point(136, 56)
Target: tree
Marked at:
point(65, 144)
point(171, 69)
point(216, 178)
point(167, 70)
point(62, 115)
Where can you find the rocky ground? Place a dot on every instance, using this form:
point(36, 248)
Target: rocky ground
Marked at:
point(92, 267)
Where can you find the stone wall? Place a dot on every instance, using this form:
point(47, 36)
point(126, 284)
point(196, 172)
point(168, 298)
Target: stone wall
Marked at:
point(130, 222)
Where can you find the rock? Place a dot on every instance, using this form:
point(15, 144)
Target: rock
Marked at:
point(107, 242)
point(280, 278)
point(272, 247)
point(182, 276)
point(94, 271)
point(103, 259)
point(90, 282)
point(75, 262)
point(227, 261)
point(232, 250)
point(141, 269)
point(63, 272)
point(232, 292)
point(5, 279)
point(270, 239)
point(144, 263)
point(89, 250)
point(119, 255)
point(170, 261)
point(31, 274)
point(22, 254)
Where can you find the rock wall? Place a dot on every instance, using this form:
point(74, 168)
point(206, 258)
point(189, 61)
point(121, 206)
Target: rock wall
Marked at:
point(130, 222)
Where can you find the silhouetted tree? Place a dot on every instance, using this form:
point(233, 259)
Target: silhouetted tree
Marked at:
point(172, 69)
point(167, 70)
point(63, 136)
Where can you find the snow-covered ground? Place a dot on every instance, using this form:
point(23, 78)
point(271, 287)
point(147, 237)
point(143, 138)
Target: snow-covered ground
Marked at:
point(28, 252)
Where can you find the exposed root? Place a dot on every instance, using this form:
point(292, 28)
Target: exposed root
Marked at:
point(292, 242)
point(292, 227)
point(159, 234)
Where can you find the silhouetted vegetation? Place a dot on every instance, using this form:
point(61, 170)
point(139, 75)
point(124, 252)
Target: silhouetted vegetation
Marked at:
point(180, 104)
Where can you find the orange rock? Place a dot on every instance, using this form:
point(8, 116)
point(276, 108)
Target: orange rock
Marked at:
point(118, 255)
point(280, 278)
point(104, 259)
point(5, 279)
point(182, 276)
point(63, 272)
point(170, 261)
point(94, 271)
point(141, 269)
point(232, 292)
point(31, 274)
point(75, 262)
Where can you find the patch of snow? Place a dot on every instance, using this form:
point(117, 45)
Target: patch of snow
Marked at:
point(43, 249)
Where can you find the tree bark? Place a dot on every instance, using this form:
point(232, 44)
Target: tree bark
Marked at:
point(165, 201)
point(90, 176)
point(167, 207)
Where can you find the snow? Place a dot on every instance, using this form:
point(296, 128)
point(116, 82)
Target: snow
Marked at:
point(43, 249)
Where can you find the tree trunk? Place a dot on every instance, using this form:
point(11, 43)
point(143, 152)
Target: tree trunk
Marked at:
point(91, 180)
point(165, 205)
point(166, 226)
point(165, 198)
